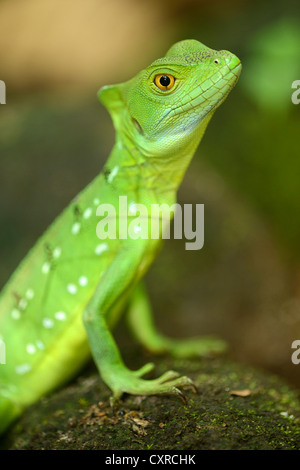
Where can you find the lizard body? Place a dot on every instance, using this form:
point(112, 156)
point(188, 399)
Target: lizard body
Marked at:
point(66, 295)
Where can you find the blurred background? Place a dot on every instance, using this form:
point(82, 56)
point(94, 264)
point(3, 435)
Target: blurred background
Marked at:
point(244, 285)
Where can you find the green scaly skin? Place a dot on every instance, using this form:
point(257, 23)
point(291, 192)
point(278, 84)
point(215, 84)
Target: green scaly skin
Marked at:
point(64, 298)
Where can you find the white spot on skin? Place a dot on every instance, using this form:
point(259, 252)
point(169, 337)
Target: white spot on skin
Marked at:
point(72, 289)
point(83, 281)
point(56, 252)
point(40, 344)
point(96, 201)
point(132, 208)
point(30, 348)
point(48, 323)
point(75, 228)
point(61, 316)
point(15, 314)
point(29, 294)
point(137, 228)
point(87, 213)
point(101, 248)
point(45, 268)
point(7, 393)
point(23, 369)
point(112, 174)
point(22, 304)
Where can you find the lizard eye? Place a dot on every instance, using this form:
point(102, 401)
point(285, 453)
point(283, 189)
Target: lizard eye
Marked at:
point(164, 81)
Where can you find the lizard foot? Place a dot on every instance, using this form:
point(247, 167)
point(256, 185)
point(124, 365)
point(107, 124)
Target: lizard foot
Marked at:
point(195, 347)
point(170, 383)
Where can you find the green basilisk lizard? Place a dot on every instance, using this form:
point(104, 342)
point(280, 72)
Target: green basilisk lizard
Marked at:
point(67, 294)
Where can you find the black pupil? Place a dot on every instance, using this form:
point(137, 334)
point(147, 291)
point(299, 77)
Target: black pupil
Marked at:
point(164, 80)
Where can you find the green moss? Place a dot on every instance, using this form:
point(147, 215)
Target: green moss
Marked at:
point(268, 418)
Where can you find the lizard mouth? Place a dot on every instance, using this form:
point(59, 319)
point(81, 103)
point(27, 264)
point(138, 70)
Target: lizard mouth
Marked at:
point(207, 100)
point(215, 94)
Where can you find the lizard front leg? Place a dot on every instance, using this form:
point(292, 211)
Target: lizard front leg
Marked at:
point(110, 291)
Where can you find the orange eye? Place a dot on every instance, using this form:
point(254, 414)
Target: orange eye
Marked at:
point(164, 81)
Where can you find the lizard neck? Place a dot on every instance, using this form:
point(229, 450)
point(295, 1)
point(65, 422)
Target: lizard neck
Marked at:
point(133, 169)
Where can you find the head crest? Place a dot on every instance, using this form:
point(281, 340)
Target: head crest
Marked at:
point(188, 46)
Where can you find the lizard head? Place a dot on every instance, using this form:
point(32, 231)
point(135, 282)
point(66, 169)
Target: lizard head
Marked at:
point(167, 106)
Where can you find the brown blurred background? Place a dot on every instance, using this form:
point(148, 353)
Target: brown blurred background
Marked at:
point(55, 137)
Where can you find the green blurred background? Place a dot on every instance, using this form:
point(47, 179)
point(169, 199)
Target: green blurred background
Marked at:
point(244, 285)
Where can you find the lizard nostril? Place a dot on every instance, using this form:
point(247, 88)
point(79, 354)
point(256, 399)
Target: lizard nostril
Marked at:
point(216, 61)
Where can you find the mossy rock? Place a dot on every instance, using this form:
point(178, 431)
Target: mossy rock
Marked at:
point(237, 407)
